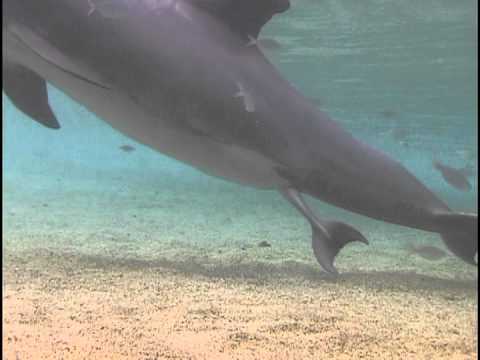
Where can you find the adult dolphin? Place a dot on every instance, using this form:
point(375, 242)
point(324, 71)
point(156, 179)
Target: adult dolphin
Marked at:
point(186, 78)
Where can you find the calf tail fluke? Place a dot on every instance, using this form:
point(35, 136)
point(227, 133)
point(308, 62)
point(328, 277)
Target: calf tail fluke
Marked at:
point(460, 233)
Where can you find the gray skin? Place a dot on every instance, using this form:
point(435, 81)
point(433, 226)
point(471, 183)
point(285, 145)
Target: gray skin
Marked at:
point(186, 78)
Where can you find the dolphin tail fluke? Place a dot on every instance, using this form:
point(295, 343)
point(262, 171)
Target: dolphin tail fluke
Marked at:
point(329, 238)
point(460, 233)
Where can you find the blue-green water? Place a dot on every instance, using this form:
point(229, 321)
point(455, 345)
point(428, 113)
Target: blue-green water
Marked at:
point(416, 61)
point(379, 67)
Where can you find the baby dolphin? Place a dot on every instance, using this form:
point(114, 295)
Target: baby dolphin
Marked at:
point(455, 177)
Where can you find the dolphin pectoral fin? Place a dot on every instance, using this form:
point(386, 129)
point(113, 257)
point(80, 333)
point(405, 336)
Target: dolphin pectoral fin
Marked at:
point(328, 237)
point(328, 240)
point(246, 17)
point(28, 92)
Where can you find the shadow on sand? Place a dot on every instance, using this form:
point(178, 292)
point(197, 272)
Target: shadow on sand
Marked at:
point(263, 273)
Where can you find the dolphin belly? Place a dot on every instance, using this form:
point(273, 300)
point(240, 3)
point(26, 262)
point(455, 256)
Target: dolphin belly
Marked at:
point(231, 162)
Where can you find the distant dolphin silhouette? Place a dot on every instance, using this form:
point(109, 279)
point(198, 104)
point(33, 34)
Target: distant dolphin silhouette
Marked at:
point(187, 78)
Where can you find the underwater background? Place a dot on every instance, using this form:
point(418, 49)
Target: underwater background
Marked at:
point(112, 250)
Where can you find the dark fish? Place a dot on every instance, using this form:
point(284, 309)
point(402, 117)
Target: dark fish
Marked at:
point(388, 113)
point(269, 44)
point(427, 252)
point(455, 177)
point(127, 148)
point(264, 244)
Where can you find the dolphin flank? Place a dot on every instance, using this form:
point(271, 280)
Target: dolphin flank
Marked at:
point(187, 78)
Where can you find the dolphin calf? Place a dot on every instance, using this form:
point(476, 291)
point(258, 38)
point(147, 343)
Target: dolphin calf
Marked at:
point(187, 78)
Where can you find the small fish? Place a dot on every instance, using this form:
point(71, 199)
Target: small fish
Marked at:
point(388, 113)
point(455, 177)
point(264, 244)
point(269, 44)
point(127, 148)
point(427, 252)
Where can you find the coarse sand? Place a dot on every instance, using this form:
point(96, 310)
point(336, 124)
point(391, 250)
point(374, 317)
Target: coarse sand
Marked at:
point(92, 308)
point(123, 269)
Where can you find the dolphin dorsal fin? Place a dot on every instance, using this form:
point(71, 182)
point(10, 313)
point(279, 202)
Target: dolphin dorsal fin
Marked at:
point(246, 17)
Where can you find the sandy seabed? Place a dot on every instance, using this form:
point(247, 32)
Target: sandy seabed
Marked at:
point(119, 273)
point(56, 309)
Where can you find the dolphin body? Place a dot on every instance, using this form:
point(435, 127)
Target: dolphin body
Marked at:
point(187, 78)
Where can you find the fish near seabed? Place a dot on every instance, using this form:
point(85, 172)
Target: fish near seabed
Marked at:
point(427, 252)
point(458, 178)
point(186, 78)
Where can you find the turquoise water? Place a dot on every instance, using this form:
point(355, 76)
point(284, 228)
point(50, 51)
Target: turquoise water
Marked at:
point(417, 61)
point(379, 67)
point(376, 68)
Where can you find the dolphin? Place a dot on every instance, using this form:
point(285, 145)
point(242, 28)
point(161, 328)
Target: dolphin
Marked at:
point(188, 79)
